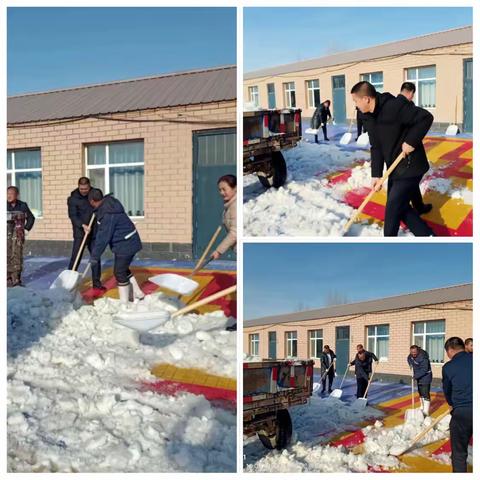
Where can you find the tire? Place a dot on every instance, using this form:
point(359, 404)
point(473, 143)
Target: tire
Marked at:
point(283, 435)
point(279, 176)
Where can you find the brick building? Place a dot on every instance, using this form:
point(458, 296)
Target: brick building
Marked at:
point(440, 64)
point(387, 327)
point(158, 144)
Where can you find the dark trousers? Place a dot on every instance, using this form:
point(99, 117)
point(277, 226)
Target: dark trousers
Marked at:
point(324, 130)
point(461, 429)
point(398, 209)
point(424, 390)
point(361, 386)
point(330, 376)
point(121, 268)
point(417, 199)
point(96, 269)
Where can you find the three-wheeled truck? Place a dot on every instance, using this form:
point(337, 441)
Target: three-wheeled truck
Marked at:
point(270, 388)
point(265, 134)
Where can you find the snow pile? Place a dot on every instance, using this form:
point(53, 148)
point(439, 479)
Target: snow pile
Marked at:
point(74, 403)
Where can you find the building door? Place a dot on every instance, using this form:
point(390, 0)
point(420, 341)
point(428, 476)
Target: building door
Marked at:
point(468, 95)
point(214, 155)
point(338, 89)
point(342, 348)
point(272, 344)
point(271, 95)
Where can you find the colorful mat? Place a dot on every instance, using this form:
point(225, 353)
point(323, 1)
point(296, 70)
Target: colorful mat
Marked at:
point(450, 159)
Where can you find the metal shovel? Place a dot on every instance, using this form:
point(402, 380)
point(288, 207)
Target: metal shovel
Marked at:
point(338, 392)
point(145, 321)
point(361, 403)
point(69, 279)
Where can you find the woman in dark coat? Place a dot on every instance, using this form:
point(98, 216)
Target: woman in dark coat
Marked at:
point(320, 118)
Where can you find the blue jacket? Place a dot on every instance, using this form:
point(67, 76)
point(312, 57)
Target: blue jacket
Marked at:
point(363, 369)
point(114, 228)
point(457, 379)
point(422, 371)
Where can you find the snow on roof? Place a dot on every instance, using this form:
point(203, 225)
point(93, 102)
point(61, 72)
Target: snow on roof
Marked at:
point(453, 293)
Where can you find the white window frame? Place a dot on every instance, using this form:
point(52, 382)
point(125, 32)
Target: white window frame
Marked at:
point(417, 80)
point(376, 336)
point(314, 339)
point(291, 337)
point(287, 90)
point(311, 92)
point(254, 343)
point(424, 335)
point(13, 171)
point(107, 167)
point(253, 95)
point(369, 78)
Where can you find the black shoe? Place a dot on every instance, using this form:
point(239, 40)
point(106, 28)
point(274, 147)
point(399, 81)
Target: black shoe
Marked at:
point(99, 287)
point(327, 139)
point(330, 391)
point(232, 328)
point(426, 207)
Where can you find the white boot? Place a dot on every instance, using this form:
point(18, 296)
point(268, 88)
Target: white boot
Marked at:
point(426, 407)
point(137, 291)
point(123, 293)
point(421, 404)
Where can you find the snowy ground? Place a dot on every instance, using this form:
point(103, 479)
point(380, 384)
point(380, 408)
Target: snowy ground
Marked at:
point(74, 403)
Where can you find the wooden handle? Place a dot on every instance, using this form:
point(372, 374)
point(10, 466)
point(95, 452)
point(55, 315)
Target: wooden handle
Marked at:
point(413, 395)
point(390, 169)
point(351, 122)
point(82, 245)
point(204, 301)
point(209, 246)
point(435, 422)
point(369, 381)
point(326, 371)
point(345, 374)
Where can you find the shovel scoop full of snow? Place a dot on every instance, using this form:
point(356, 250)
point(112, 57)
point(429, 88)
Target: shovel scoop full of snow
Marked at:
point(312, 131)
point(360, 404)
point(142, 321)
point(68, 280)
point(337, 393)
point(177, 283)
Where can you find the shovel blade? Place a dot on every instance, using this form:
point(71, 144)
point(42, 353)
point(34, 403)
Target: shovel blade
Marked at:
point(360, 404)
point(311, 131)
point(363, 140)
point(337, 393)
point(346, 138)
point(174, 282)
point(452, 130)
point(142, 321)
point(67, 280)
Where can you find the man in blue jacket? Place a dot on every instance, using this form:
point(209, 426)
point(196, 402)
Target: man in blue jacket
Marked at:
point(457, 380)
point(363, 362)
point(115, 228)
point(422, 372)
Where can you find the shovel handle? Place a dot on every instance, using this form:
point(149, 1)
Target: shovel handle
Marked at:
point(204, 301)
point(369, 381)
point(201, 266)
point(82, 245)
point(207, 249)
point(390, 169)
point(326, 371)
point(426, 430)
point(345, 374)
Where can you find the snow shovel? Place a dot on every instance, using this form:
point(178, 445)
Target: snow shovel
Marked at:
point(145, 321)
point(338, 392)
point(391, 168)
point(347, 137)
point(410, 412)
point(181, 284)
point(363, 140)
point(452, 129)
point(69, 279)
point(361, 403)
point(398, 450)
point(312, 131)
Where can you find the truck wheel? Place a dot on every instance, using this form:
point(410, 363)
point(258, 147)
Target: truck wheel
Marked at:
point(283, 434)
point(279, 169)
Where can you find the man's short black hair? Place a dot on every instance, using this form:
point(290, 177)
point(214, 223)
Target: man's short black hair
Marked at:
point(408, 86)
point(84, 181)
point(468, 340)
point(13, 187)
point(95, 194)
point(414, 346)
point(364, 89)
point(454, 343)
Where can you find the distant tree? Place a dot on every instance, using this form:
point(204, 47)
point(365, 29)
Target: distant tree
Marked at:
point(335, 297)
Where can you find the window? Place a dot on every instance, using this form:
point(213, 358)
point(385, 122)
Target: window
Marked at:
point(313, 93)
point(272, 344)
point(425, 81)
point(253, 95)
point(431, 337)
point(289, 90)
point(271, 95)
point(254, 343)
point(315, 343)
point(24, 171)
point(378, 337)
point(118, 168)
point(291, 339)
point(375, 78)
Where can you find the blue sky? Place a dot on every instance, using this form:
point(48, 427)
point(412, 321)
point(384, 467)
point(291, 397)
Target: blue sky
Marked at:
point(282, 278)
point(273, 36)
point(60, 47)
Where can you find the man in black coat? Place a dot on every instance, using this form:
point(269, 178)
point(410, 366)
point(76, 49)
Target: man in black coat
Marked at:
point(363, 368)
point(80, 212)
point(394, 126)
point(327, 366)
point(19, 219)
point(320, 118)
point(419, 362)
point(457, 381)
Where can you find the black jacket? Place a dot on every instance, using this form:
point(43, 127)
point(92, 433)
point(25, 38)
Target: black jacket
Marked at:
point(114, 228)
point(396, 120)
point(321, 115)
point(22, 207)
point(80, 212)
point(363, 369)
point(324, 364)
point(457, 380)
point(422, 371)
